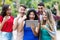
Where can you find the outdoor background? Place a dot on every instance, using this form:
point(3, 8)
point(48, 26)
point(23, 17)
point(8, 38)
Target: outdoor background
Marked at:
point(31, 4)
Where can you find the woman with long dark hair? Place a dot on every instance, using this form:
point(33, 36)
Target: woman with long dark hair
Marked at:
point(6, 23)
point(30, 32)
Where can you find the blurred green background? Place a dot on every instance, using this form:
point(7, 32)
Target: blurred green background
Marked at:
point(28, 3)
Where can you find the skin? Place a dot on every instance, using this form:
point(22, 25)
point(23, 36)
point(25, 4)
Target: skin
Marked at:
point(44, 26)
point(41, 9)
point(8, 12)
point(32, 25)
point(21, 14)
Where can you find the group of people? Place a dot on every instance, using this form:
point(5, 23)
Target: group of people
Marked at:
point(46, 29)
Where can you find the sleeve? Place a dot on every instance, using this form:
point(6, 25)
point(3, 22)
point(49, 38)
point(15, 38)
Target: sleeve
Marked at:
point(56, 17)
point(1, 18)
point(53, 33)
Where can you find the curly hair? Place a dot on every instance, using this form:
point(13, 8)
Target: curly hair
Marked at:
point(35, 13)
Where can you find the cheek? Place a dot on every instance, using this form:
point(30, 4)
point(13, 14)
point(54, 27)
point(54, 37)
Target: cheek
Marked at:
point(31, 16)
point(8, 12)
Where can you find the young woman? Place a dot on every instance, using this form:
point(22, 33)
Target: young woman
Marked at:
point(30, 32)
point(48, 27)
point(6, 23)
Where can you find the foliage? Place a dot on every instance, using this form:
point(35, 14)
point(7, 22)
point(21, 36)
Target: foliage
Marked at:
point(29, 4)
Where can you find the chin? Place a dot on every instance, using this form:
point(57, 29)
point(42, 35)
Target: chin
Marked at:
point(9, 14)
point(45, 19)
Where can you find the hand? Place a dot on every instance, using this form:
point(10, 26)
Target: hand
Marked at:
point(44, 26)
point(24, 17)
point(32, 26)
point(56, 6)
point(18, 16)
point(5, 18)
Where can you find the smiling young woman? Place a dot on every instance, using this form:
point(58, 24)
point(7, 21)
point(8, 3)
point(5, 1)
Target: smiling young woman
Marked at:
point(6, 23)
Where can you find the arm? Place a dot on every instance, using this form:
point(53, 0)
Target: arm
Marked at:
point(58, 13)
point(35, 30)
point(57, 9)
point(20, 27)
point(2, 22)
point(56, 17)
point(15, 24)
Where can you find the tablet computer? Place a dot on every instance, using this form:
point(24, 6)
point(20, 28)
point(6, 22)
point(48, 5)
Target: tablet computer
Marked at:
point(29, 22)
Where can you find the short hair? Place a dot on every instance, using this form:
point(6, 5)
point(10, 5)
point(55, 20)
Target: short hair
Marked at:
point(22, 5)
point(41, 4)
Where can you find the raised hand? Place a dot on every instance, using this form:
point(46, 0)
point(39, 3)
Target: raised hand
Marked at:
point(56, 6)
point(5, 18)
point(24, 17)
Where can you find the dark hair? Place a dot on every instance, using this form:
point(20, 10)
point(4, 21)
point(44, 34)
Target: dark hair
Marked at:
point(4, 9)
point(35, 13)
point(22, 5)
point(41, 4)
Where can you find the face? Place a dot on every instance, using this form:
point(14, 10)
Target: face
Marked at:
point(8, 12)
point(44, 16)
point(22, 10)
point(32, 16)
point(40, 8)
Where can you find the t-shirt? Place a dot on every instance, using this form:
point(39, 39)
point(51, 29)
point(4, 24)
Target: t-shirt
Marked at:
point(8, 25)
point(19, 34)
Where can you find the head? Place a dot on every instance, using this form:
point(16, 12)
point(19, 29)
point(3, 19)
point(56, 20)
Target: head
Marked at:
point(22, 9)
point(41, 7)
point(6, 10)
point(47, 16)
point(32, 14)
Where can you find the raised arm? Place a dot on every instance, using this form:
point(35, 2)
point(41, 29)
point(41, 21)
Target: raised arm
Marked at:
point(35, 30)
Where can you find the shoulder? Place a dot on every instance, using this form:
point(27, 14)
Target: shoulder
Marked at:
point(12, 17)
point(1, 17)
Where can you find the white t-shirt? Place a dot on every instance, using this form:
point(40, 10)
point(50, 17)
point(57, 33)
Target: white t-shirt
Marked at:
point(41, 17)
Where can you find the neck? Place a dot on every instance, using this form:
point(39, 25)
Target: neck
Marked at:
point(31, 19)
point(7, 15)
point(44, 22)
point(40, 13)
point(21, 14)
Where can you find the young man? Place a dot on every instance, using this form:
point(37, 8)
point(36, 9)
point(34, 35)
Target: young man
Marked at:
point(41, 8)
point(20, 16)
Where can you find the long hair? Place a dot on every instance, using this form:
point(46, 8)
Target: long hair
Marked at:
point(35, 13)
point(51, 21)
point(4, 9)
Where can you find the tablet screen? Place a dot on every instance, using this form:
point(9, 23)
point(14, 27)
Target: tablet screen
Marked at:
point(29, 22)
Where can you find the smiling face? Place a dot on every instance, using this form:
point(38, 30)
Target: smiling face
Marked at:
point(44, 16)
point(8, 12)
point(22, 10)
point(31, 15)
point(40, 8)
